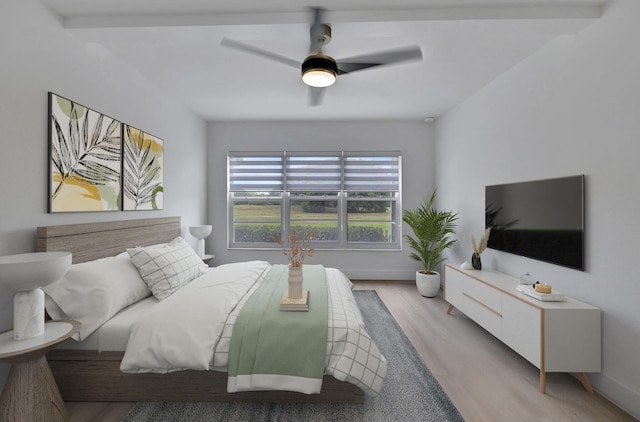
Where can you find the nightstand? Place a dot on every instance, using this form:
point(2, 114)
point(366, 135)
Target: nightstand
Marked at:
point(207, 258)
point(31, 393)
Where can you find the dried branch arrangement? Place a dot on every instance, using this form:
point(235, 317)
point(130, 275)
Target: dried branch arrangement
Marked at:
point(298, 248)
point(479, 247)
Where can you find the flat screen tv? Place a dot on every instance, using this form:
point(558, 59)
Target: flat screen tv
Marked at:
point(541, 219)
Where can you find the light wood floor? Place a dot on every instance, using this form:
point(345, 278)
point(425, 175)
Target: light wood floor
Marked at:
point(485, 379)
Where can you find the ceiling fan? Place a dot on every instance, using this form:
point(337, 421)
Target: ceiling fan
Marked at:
point(320, 70)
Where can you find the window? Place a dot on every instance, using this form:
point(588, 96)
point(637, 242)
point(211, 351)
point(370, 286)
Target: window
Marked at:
point(346, 200)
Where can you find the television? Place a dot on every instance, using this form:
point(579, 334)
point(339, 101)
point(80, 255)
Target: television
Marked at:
point(540, 219)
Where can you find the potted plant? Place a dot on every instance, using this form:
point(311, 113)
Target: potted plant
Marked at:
point(431, 230)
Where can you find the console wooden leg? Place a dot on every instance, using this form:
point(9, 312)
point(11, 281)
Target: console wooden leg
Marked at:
point(584, 379)
point(449, 309)
point(543, 382)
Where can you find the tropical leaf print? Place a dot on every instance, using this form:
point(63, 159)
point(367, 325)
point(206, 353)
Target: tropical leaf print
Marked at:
point(85, 148)
point(142, 170)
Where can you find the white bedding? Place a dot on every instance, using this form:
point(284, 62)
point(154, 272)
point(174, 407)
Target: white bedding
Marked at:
point(180, 334)
point(192, 328)
point(182, 331)
point(113, 335)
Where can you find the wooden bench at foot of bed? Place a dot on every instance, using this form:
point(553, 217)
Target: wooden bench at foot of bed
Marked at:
point(92, 376)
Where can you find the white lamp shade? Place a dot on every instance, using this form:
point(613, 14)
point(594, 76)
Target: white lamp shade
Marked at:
point(30, 271)
point(200, 232)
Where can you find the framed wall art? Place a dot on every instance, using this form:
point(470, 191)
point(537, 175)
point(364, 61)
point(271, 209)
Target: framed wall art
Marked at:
point(142, 170)
point(84, 158)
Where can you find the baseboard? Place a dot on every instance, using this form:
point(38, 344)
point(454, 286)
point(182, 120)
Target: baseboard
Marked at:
point(617, 393)
point(366, 274)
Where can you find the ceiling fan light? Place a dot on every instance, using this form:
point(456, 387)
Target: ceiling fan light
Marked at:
point(319, 71)
point(319, 78)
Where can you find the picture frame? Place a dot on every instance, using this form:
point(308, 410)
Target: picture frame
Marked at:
point(85, 151)
point(142, 170)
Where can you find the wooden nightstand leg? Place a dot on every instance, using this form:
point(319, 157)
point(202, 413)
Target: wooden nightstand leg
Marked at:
point(543, 382)
point(584, 379)
point(449, 309)
point(31, 394)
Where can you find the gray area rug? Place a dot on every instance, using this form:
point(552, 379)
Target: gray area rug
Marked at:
point(410, 392)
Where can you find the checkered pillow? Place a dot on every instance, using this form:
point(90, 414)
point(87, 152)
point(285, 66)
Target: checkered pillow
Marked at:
point(166, 268)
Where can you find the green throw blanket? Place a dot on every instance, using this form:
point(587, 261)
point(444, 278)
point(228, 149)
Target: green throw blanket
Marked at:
point(280, 350)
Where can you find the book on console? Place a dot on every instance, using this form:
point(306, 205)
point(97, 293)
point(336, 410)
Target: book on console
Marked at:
point(544, 297)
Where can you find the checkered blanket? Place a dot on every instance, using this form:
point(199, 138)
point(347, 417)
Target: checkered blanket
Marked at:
point(191, 329)
point(351, 354)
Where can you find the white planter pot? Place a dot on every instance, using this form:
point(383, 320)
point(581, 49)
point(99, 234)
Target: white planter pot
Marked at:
point(428, 284)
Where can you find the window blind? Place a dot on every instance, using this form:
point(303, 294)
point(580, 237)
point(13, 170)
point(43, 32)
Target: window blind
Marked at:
point(303, 171)
point(251, 172)
point(321, 172)
point(368, 173)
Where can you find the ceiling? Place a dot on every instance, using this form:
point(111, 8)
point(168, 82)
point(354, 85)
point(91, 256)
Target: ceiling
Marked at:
point(465, 45)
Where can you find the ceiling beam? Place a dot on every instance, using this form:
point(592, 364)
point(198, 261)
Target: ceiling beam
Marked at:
point(422, 14)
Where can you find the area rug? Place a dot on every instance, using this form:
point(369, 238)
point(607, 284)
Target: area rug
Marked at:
point(410, 392)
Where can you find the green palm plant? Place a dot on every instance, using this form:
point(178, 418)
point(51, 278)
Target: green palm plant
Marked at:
point(431, 229)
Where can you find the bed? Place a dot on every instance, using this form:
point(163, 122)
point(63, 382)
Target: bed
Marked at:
point(90, 371)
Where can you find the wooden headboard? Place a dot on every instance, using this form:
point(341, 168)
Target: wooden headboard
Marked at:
point(91, 241)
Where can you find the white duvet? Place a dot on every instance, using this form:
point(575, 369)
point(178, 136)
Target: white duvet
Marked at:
point(192, 328)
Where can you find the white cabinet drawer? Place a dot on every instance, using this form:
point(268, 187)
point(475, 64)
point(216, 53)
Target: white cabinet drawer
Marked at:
point(486, 295)
point(485, 317)
point(453, 287)
point(521, 328)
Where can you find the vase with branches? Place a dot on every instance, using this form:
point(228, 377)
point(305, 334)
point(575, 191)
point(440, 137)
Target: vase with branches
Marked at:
point(299, 248)
point(479, 247)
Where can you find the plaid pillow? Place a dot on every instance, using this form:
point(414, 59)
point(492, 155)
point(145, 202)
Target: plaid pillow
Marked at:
point(166, 268)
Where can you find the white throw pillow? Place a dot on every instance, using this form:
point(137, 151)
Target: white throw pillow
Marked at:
point(92, 292)
point(167, 268)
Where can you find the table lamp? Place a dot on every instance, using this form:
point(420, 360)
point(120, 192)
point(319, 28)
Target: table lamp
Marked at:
point(200, 233)
point(26, 274)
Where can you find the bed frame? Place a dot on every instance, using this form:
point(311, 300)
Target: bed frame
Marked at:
point(86, 375)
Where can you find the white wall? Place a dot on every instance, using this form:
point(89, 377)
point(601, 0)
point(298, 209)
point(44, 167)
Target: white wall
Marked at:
point(571, 108)
point(38, 56)
point(413, 139)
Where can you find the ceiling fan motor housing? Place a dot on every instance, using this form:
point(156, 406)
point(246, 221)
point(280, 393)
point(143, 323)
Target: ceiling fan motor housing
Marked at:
point(319, 62)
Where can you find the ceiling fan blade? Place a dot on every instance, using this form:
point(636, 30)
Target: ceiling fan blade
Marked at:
point(226, 42)
point(315, 96)
point(316, 32)
point(381, 58)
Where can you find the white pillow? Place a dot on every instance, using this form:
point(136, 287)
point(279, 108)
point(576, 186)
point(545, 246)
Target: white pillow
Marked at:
point(167, 268)
point(92, 292)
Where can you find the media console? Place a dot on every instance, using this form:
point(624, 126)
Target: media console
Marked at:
point(553, 336)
